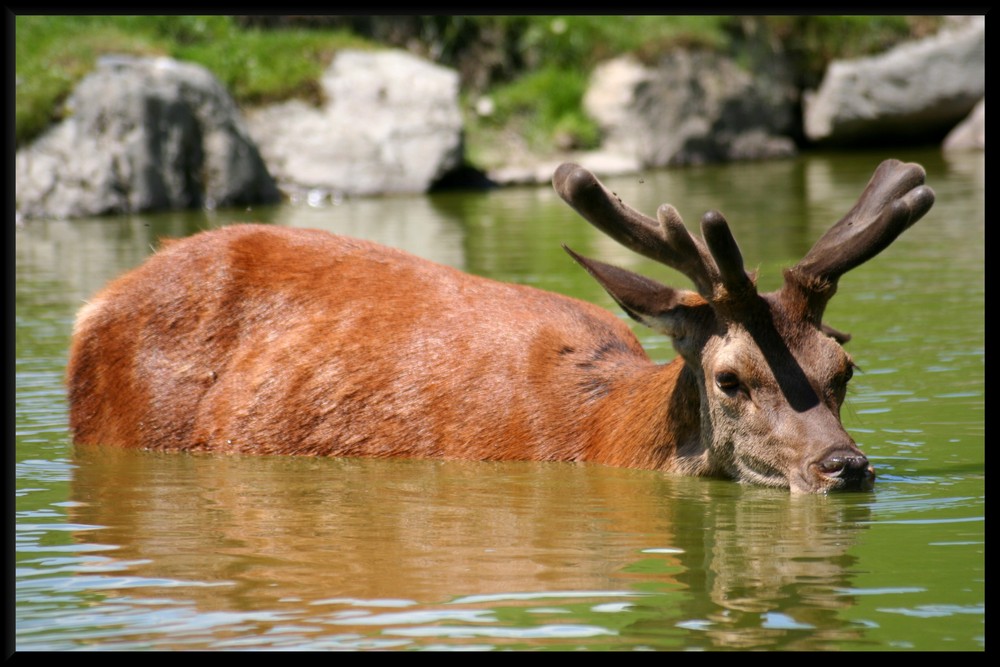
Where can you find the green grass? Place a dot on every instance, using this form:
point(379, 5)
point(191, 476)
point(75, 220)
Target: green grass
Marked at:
point(813, 41)
point(52, 53)
point(268, 66)
point(545, 102)
point(537, 88)
point(544, 106)
point(580, 42)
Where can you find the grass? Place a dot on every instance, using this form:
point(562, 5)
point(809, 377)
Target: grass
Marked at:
point(541, 105)
point(813, 41)
point(52, 53)
point(580, 42)
point(536, 93)
point(268, 66)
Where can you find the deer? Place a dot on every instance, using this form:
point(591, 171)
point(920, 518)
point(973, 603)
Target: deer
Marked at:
point(265, 340)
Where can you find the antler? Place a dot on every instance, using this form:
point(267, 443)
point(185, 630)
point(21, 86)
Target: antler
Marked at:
point(714, 265)
point(894, 199)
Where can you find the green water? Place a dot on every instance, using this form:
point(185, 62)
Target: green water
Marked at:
point(136, 550)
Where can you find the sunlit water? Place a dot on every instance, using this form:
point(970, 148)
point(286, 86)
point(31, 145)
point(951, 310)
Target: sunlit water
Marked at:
point(139, 550)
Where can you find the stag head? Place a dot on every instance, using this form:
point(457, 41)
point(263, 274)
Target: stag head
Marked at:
point(771, 376)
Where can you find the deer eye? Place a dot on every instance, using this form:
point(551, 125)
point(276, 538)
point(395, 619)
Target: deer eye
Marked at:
point(727, 381)
point(848, 373)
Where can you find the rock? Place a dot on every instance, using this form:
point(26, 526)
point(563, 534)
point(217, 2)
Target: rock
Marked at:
point(391, 124)
point(695, 107)
point(142, 134)
point(970, 134)
point(917, 90)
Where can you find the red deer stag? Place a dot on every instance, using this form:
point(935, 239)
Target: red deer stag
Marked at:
point(266, 340)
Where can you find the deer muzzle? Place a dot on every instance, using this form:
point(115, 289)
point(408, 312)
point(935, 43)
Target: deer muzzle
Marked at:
point(847, 471)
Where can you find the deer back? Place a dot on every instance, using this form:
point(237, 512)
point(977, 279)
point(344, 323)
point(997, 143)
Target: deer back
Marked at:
point(271, 340)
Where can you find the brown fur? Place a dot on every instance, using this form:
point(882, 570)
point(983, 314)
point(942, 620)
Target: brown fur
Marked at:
point(269, 340)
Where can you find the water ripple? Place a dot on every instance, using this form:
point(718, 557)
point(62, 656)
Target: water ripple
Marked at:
point(543, 595)
point(937, 610)
point(568, 631)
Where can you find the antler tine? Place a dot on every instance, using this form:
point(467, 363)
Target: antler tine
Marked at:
point(665, 240)
point(894, 199)
point(727, 255)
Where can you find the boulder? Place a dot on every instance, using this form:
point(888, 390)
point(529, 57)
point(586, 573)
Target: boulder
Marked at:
point(142, 134)
point(917, 90)
point(390, 124)
point(694, 107)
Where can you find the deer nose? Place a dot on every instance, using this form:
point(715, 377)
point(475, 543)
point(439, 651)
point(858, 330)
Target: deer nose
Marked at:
point(853, 470)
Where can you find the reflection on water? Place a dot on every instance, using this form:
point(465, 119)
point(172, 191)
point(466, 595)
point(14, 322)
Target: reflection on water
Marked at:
point(141, 550)
point(360, 545)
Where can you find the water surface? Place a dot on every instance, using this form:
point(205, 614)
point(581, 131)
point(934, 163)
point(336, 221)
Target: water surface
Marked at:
point(140, 550)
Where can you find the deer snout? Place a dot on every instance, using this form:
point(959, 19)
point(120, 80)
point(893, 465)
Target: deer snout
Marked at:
point(847, 470)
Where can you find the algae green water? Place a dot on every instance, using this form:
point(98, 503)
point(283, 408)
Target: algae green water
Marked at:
point(138, 550)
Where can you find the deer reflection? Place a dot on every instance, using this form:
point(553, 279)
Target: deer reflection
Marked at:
point(775, 571)
point(326, 538)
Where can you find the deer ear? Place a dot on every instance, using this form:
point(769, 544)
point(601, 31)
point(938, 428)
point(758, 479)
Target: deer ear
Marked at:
point(665, 309)
point(839, 336)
